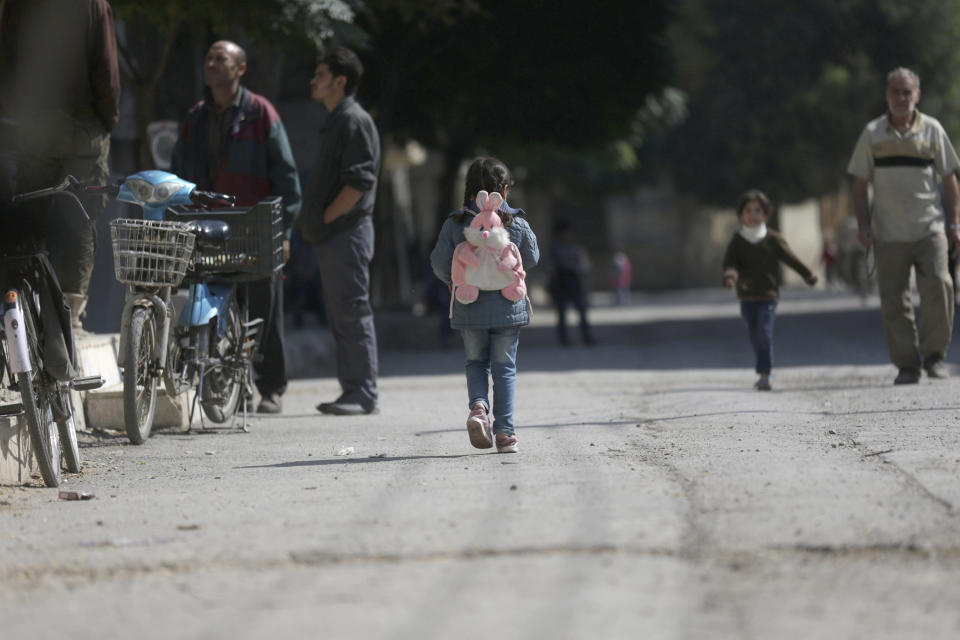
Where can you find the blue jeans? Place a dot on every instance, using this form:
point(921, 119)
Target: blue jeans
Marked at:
point(492, 351)
point(759, 316)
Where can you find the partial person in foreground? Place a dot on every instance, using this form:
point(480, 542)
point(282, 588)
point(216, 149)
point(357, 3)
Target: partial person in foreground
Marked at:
point(909, 159)
point(569, 278)
point(482, 254)
point(752, 264)
point(60, 85)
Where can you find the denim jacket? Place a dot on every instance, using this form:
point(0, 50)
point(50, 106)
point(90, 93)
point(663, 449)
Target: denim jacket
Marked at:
point(491, 310)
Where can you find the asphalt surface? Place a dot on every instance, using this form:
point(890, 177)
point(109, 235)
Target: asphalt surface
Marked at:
point(655, 495)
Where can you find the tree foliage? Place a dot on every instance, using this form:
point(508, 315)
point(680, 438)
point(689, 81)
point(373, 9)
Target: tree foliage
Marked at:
point(500, 74)
point(571, 73)
point(779, 91)
point(145, 62)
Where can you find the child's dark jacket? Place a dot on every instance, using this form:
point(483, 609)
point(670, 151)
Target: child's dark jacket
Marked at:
point(756, 267)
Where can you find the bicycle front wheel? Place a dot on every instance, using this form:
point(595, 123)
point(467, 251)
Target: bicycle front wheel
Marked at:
point(35, 394)
point(139, 376)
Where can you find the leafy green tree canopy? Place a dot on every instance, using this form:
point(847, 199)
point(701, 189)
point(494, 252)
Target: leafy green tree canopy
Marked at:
point(463, 74)
point(779, 91)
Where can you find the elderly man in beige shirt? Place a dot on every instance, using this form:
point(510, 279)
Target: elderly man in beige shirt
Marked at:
point(911, 163)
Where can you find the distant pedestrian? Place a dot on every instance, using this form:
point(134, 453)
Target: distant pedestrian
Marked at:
point(905, 154)
point(621, 277)
point(828, 258)
point(752, 264)
point(569, 272)
point(490, 325)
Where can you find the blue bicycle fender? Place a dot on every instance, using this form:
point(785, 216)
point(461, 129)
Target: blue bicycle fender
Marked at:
point(204, 301)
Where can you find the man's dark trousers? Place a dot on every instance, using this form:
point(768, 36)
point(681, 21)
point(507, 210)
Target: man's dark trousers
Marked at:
point(344, 262)
point(266, 301)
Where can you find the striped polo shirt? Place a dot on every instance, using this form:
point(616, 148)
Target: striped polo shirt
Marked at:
point(905, 171)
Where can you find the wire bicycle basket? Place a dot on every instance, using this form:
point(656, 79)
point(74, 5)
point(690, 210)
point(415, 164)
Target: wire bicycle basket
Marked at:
point(150, 253)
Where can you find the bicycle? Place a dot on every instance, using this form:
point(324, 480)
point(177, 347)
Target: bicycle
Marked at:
point(213, 343)
point(29, 299)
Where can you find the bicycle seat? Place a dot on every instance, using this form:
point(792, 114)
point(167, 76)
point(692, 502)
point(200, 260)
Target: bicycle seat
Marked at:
point(211, 234)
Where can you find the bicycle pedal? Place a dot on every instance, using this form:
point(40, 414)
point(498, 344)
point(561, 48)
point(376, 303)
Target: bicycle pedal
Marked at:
point(11, 409)
point(87, 384)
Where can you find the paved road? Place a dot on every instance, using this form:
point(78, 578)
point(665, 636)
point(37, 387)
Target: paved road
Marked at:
point(656, 495)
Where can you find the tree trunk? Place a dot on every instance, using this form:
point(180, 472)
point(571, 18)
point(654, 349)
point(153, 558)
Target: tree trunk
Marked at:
point(146, 111)
point(453, 154)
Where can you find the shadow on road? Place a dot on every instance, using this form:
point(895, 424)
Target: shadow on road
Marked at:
point(836, 338)
point(321, 462)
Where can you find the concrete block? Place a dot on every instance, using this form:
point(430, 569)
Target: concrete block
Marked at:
point(96, 355)
point(16, 454)
point(104, 408)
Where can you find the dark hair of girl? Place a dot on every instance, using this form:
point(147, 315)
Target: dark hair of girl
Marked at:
point(755, 195)
point(487, 174)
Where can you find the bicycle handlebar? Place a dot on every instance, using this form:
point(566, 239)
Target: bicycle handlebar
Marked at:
point(68, 187)
point(71, 187)
point(105, 189)
point(210, 199)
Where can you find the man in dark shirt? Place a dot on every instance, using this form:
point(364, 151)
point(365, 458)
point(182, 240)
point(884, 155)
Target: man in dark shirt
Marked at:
point(61, 87)
point(337, 219)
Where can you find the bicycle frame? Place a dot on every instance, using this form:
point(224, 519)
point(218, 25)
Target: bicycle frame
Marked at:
point(205, 301)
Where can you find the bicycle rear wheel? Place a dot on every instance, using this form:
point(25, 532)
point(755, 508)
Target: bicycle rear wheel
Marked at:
point(36, 389)
point(67, 427)
point(139, 376)
point(223, 383)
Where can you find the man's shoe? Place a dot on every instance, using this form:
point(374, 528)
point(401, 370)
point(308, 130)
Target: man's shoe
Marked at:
point(345, 409)
point(936, 368)
point(270, 404)
point(478, 426)
point(907, 375)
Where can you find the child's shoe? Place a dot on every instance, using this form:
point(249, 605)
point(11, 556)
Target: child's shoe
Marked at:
point(506, 444)
point(478, 426)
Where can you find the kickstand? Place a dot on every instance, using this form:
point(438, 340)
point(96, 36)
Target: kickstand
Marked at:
point(242, 401)
point(246, 392)
point(196, 400)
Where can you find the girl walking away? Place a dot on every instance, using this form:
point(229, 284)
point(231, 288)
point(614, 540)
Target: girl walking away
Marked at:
point(752, 263)
point(482, 254)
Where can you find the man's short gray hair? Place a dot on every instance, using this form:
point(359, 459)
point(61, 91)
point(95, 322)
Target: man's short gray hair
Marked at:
point(903, 72)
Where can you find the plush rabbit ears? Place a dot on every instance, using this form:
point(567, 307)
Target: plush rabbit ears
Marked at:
point(489, 201)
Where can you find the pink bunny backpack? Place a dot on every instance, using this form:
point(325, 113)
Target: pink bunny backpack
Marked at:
point(487, 260)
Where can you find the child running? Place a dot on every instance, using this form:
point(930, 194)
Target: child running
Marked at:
point(490, 323)
point(752, 264)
